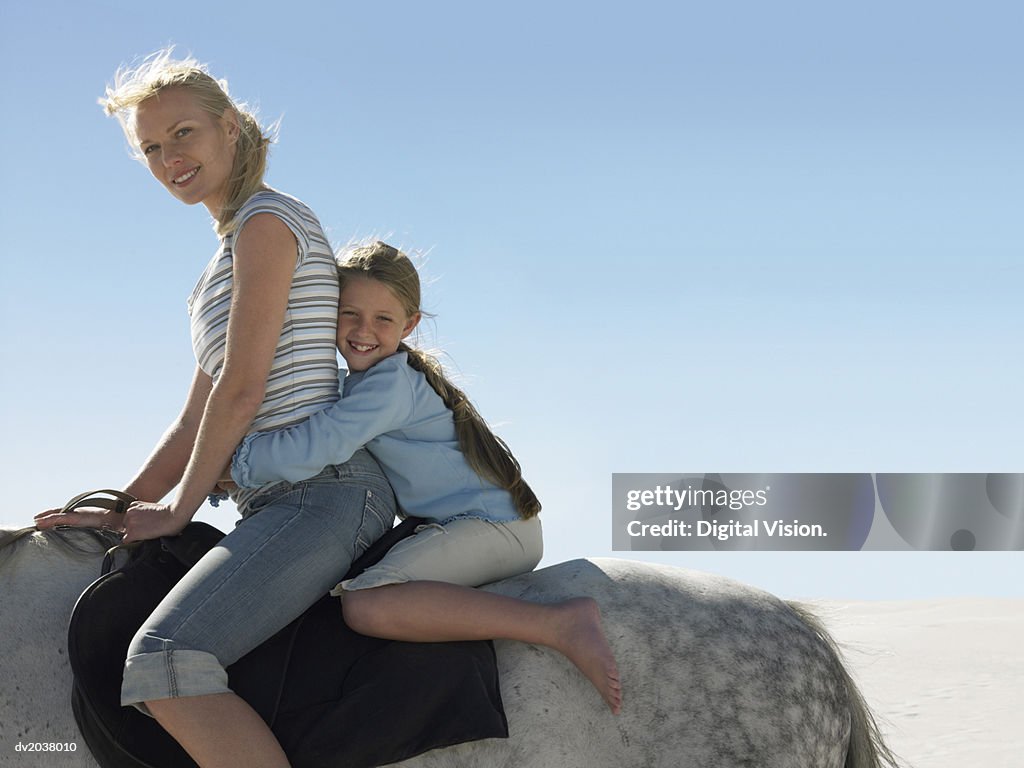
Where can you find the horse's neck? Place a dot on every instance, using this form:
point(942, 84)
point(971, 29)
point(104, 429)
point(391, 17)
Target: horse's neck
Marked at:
point(44, 578)
point(38, 589)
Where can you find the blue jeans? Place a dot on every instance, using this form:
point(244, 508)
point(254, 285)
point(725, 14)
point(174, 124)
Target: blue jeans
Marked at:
point(295, 543)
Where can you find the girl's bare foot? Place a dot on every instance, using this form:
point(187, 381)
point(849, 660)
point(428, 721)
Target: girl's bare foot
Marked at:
point(582, 640)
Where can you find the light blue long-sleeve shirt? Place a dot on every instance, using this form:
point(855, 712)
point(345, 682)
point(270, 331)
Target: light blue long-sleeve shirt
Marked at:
point(392, 410)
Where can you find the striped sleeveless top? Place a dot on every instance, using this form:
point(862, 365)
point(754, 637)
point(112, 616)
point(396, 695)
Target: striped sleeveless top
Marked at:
point(304, 376)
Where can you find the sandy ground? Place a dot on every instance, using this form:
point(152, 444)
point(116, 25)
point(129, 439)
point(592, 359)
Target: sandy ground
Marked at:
point(944, 678)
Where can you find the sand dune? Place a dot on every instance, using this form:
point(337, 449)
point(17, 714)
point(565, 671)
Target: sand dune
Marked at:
point(944, 677)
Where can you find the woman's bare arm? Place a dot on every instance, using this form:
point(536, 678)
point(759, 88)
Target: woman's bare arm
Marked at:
point(160, 472)
point(199, 444)
point(164, 468)
point(264, 262)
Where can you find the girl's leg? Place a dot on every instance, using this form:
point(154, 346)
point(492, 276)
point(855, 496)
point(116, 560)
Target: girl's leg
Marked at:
point(421, 591)
point(433, 611)
point(264, 574)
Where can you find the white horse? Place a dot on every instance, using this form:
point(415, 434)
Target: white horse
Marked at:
point(715, 674)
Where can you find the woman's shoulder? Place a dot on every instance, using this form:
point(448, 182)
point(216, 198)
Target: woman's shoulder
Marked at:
point(273, 200)
point(296, 215)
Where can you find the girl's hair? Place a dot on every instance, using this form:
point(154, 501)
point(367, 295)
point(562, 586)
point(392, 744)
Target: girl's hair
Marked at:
point(157, 72)
point(487, 454)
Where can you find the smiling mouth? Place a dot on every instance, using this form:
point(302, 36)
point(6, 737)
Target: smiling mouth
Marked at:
point(363, 347)
point(186, 177)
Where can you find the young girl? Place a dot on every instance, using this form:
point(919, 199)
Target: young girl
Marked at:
point(445, 465)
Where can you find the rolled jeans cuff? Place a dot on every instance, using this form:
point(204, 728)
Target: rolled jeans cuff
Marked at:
point(171, 674)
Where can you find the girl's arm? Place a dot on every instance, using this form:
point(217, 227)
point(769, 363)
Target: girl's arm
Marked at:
point(264, 263)
point(383, 400)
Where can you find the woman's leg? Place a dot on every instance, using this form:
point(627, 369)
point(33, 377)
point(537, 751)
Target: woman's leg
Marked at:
point(432, 602)
point(219, 730)
point(283, 557)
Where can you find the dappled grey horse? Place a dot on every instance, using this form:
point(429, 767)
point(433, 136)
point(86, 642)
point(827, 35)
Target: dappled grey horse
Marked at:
point(715, 674)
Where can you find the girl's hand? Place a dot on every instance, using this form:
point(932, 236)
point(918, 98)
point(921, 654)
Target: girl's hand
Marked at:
point(144, 521)
point(86, 517)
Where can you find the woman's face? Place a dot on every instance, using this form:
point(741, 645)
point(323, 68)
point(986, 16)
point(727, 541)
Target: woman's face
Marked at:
point(187, 149)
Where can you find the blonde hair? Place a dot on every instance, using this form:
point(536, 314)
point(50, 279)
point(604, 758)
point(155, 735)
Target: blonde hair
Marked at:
point(159, 71)
point(488, 455)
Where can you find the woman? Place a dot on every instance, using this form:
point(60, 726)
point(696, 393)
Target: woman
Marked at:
point(263, 317)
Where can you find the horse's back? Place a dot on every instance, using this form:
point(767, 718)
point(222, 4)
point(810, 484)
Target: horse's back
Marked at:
point(714, 673)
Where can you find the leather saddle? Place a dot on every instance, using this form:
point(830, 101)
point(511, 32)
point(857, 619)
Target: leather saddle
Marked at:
point(331, 696)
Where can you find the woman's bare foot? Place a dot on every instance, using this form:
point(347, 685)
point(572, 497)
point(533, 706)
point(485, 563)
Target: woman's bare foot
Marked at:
point(583, 642)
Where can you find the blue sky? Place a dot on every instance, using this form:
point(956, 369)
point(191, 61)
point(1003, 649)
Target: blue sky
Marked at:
point(661, 237)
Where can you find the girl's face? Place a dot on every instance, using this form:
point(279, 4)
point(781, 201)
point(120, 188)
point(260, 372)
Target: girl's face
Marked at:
point(187, 149)
point(371, 322)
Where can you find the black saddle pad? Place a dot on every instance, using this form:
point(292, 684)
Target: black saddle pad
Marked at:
point(332, 697)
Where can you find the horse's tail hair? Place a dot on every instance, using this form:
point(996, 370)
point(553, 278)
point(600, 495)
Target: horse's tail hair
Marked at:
point(866, 749)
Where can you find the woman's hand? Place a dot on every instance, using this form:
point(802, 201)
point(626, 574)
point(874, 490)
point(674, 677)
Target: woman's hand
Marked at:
point(85, 517)
point(144, 521)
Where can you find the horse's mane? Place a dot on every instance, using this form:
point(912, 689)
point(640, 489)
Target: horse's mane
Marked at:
point(78, 542)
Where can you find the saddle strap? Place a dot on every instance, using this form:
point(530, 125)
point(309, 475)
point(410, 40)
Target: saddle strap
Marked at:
point(119, 504)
